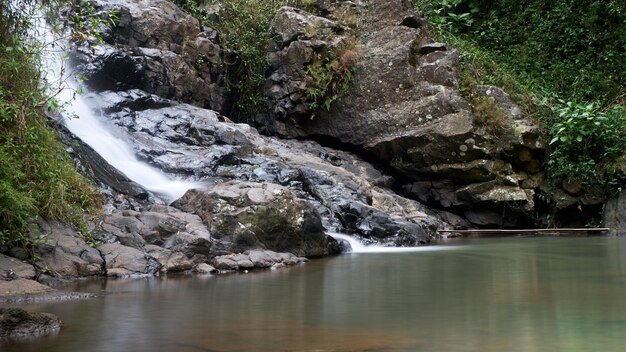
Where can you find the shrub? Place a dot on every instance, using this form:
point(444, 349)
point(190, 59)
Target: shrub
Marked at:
point(243, 26)
point(330, 74)
point(546, 54)
point(589, 145)
point(37, 177)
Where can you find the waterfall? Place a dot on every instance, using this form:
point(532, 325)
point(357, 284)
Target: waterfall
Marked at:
point(92, 128)
point(358, 247)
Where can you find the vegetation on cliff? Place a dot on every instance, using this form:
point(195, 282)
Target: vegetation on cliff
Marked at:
point(563, 62)
point(245, 27)
point(37, 177)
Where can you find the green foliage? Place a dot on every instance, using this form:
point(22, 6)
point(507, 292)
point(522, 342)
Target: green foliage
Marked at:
point(37, 178)
point(573, 48)
point(243, 26)
point(590, 144)
point(329, 75)
point(544, 54)
point(443, 14)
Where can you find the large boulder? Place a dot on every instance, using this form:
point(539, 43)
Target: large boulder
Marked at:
point(12, 268)
point(161, 49)
point(66, 254)
point(258, 215)
point(124, 261)
point(405, 106)
point(175, 239)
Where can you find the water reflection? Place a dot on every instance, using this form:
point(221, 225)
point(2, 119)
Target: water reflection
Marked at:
point(527, 294)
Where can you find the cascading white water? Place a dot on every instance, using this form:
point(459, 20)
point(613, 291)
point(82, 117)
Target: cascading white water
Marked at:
point(92, 129)
point(358, 247)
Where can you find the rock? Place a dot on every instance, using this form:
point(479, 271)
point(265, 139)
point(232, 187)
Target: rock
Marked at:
point(404, 105)
point(256, 259)
point(16, 323)
point(299, 38)
point(158, 225)
point(614, 215)
point(11, 269)
point(159, 48)
point(123, 261)
point(573, 186)
point(66, 254)
point(253, 215)
point(22, 287)
point(427, 48)
point(187, 140)
point(204, 268)
point(30, 291)
point(170, 261)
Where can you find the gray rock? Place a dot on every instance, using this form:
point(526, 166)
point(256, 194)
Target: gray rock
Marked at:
point(204, 268)
point(170, 261)
point(123, 261)
point(161, 49)
point(259, 259)
point(187, 140)
point(614, 216)
point(158, 225)
point(252, 215)
point(66, 254)
point(404, 106)
point(12, 268)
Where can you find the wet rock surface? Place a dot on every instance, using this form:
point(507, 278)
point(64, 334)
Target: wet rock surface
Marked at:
point(202, 144)
point(260, 202)
point(258, 215)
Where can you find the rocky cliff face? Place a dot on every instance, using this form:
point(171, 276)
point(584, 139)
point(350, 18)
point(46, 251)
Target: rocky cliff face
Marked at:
point(405, 106)
point(259, 201)
point(159, 48)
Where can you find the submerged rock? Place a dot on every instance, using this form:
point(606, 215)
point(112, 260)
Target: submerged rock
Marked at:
point(16, 323)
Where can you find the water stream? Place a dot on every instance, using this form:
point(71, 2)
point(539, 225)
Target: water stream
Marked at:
point(357, 247)
point(94, 129)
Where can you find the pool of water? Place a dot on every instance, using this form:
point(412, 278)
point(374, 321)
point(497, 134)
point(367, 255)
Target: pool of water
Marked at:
point(510, 294)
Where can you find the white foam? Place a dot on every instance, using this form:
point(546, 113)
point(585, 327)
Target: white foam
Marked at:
point(358, 247)
point(98, 133)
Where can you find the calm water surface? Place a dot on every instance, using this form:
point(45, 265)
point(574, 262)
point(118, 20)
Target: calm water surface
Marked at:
point(513, 294)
